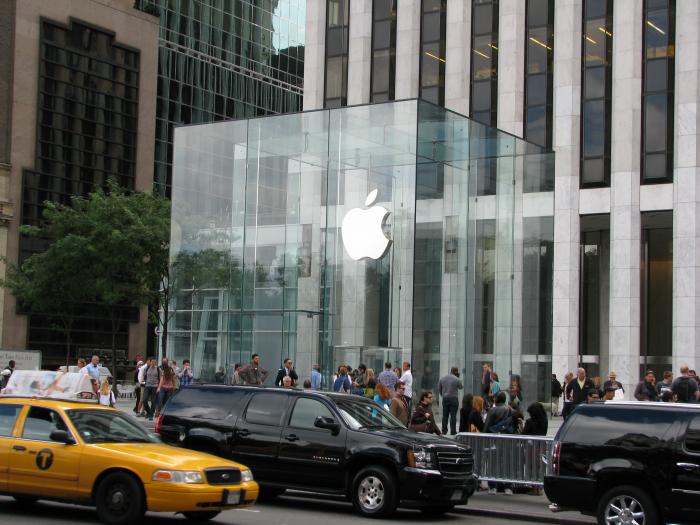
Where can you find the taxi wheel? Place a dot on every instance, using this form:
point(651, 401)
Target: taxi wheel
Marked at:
point(201, 516)
point(120, 499)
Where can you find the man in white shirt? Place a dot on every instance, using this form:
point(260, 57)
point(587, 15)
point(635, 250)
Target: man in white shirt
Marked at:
point(142, 385)
point(407, 379)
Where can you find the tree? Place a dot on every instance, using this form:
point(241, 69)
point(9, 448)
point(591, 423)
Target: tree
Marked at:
point(111, 248)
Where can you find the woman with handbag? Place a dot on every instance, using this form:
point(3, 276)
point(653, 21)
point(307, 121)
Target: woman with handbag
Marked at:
point(475, 422)
point(422, 419)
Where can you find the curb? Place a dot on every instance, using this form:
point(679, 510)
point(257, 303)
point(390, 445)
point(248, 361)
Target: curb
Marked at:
point(521, 516)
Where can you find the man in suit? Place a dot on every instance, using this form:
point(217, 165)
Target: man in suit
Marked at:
point(577, 390)
point(286, 371)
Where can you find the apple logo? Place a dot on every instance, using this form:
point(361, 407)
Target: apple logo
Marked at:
point(362, 230)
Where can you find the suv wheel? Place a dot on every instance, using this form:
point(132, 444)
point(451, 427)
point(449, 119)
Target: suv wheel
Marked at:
point(627, 505)
point(374, 492)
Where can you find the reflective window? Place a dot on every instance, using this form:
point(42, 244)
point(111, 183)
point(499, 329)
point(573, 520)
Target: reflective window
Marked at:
point(8, 417)
point(657, 90)
point(383, 50)
point(337, 29)
point(621, 427)
point(306, 411)
point(433, 52)
point(205, 403)
point(539, 62)
point(596, 73)
point(484, 62)
point(266, 409)
point(41, 422)
point(692, 436)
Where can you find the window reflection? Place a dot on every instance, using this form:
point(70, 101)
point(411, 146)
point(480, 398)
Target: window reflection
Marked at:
point(432, 57)
point(539, 61)
point(484, 62)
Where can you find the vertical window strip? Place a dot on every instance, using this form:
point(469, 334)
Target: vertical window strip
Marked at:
point(539, 46)
point(657, 91)
point(433, 50)
point(596, 92)
point(383, 69)
point(483, 93)
point(336, 67)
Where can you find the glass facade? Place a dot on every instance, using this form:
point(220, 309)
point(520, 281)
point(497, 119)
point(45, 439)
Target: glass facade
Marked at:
point(483, 105)
point(383, 50)
point(596, 99)
point(657, 90)
point(433, 30)
point(539, 66)
point(224, 59)
point(313, 236)
point(337, 35)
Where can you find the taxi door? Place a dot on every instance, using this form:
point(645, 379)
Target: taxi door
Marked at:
point(39, 465)
point(8, 417)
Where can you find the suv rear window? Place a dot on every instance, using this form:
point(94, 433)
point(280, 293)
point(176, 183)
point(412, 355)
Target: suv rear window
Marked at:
point(205, 402)
point(620, 426)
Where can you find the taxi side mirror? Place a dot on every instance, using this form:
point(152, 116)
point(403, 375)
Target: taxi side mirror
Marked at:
point(328, 423)
point(61, 436)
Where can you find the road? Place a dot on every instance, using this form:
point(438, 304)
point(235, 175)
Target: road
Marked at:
point(285, 510)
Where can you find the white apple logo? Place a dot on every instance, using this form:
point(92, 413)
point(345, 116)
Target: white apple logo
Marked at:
point(362, 230)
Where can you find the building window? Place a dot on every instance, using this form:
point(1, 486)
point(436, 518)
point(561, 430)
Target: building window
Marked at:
point(539, 42)
point(657, 90)
point(596, 77)
point(432, 53)
point(337, 24)
point(483, 106)
point(383, 50)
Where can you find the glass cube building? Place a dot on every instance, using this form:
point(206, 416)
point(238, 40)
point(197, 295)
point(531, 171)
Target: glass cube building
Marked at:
point(394, 232)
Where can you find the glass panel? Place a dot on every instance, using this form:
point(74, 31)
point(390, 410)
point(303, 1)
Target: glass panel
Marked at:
point(594, 83)
point(656, 75)
point(594, 128)
point(655, 119)
point(536, 90)
point(538, 12)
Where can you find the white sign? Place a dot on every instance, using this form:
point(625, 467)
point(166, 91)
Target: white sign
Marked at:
point(362, 232)
point(24, 359)
point(44, 383)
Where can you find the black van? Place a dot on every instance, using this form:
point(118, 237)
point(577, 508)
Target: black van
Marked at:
point(324, 443)
point(628, 462)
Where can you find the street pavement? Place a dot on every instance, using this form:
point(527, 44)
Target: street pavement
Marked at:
point(285, 510)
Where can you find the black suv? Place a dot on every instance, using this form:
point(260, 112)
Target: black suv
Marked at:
point(324, 443)
point(628, 462)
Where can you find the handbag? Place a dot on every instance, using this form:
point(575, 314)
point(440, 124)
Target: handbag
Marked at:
point(419, 427)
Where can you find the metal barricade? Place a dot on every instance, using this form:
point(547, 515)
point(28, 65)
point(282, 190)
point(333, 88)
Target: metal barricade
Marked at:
point(508, 458)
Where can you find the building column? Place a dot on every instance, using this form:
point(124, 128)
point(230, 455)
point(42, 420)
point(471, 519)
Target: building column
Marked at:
point(314, 55)
point(511, 66)
point(686, 195)
point(625, 219)
point(458, 55)
point(407, 48)
point(567, 119)
point(360, 52)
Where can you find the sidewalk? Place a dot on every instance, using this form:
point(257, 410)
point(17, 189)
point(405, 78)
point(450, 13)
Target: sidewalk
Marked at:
point(520, 507)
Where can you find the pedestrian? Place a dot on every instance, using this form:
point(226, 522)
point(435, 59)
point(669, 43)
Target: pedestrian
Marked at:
point(176, 369)
point(141, 377)
point(236, 378)
point(185, 376)
point(287, 382)
point(592, 395)
point(486, 380)
point(166, 387)
point(448, 388)
point(399, 404)
point(495, 388)
point(578, 388)
point(220, 376)
point(359, 381)
point(151, 375)
point(666, 384)
point(407, 380)
point(646, 389)
point(371, 383)
point(106, 396)
point(566, 408)
point(556, 392)
point(470, 415)
point(684, 387)
point(613, 382)
point(307, 384)
point(422, 419)
point(499, 420)
point(137, 387)
point(515, 393)
point(253, 374)
point(342, 383)
point(609, 393)
point(388, 377)
point(537, 424)
point(597, 384)
point(287, 370)
point(382, 396)
point(316, 377)
point(93, 372)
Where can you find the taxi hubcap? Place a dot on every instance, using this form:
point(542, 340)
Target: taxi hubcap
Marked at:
point(371, 493)
point(624, 510)
point(117, 499)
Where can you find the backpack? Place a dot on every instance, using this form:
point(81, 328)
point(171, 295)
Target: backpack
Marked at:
point(683, 390)
point(503, 425)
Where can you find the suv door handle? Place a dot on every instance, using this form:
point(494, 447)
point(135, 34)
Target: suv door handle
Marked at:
point(243, 432)
point(291, 437)
point(19, 448)
point(688, 466)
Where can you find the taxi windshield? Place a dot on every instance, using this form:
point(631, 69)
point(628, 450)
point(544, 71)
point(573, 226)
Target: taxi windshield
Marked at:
point(107, 426)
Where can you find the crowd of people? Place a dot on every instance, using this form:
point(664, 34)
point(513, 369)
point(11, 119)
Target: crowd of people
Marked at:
point(582, 389)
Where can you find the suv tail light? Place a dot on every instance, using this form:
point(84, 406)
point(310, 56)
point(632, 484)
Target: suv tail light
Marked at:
point(556, 457)
point(159, 422)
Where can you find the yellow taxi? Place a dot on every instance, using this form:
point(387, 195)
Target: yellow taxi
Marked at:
point(86, 453)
